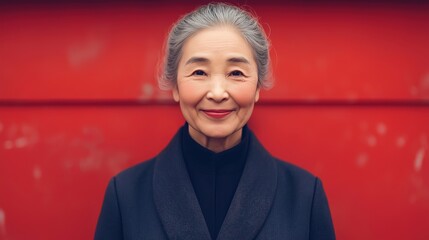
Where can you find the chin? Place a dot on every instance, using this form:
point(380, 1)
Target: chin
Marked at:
point(218, 132)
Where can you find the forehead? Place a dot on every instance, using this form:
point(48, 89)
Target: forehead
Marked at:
point(217, 42)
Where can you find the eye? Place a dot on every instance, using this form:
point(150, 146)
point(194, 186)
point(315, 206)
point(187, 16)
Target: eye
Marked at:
point(199, 73)
point(236, 73)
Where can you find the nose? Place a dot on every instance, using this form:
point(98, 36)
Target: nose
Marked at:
point(218, 89)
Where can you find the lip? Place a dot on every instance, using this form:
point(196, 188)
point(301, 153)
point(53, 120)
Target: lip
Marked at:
point(217, 113)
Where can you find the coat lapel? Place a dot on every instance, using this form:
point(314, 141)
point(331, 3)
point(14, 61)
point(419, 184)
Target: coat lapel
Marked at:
point(174, 196)
point(254, 195)
point(178, 207)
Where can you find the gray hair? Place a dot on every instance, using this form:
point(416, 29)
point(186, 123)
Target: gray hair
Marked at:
point(211, 15)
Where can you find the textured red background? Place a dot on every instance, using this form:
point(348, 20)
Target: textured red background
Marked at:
point(79, 102)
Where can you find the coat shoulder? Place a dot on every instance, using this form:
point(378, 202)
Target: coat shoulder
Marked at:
point(287, 167)
point(296, 175)
point(142, 171)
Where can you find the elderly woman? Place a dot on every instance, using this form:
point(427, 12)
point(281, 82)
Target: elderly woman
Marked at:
point(215, 180)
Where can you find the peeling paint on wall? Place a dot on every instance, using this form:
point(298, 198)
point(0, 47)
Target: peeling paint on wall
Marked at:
point(21, 142)
point(381, 128)
point(20, 136)
point(37, 172)
point(424, 86)
point(418, 160)
point(414, 91)
point(371, 140)
point(84, 152)
point(401, 141)
point(147, 91)
point(2, 223)
point(82, 53)
point(361, 160)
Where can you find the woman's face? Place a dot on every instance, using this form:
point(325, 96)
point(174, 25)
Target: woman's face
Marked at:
point(217, 83)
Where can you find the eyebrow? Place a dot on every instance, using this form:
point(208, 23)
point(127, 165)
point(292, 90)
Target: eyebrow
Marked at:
point(238, 60)
point(205, 60)
point(197, 60)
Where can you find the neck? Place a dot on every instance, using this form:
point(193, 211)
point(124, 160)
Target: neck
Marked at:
point(216, 144)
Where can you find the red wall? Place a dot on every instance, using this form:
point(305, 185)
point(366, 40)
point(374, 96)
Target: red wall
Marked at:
point(79, 102)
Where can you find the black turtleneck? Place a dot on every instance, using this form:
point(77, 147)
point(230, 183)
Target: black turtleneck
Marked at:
point(214, 176)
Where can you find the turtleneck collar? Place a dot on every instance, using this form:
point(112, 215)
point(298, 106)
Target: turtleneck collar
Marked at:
point(214, 176)
point(198, 158)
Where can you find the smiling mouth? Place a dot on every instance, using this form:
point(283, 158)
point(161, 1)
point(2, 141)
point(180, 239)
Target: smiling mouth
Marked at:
point(221, 113)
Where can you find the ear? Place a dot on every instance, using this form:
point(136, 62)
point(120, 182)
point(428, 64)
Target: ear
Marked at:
point(176, 93)
point(257, 94)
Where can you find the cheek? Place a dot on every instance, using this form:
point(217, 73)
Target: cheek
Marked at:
point(190, 93)
point(244, 96)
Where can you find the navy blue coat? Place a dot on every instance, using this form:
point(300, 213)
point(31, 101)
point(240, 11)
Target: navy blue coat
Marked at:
point(273, 200)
